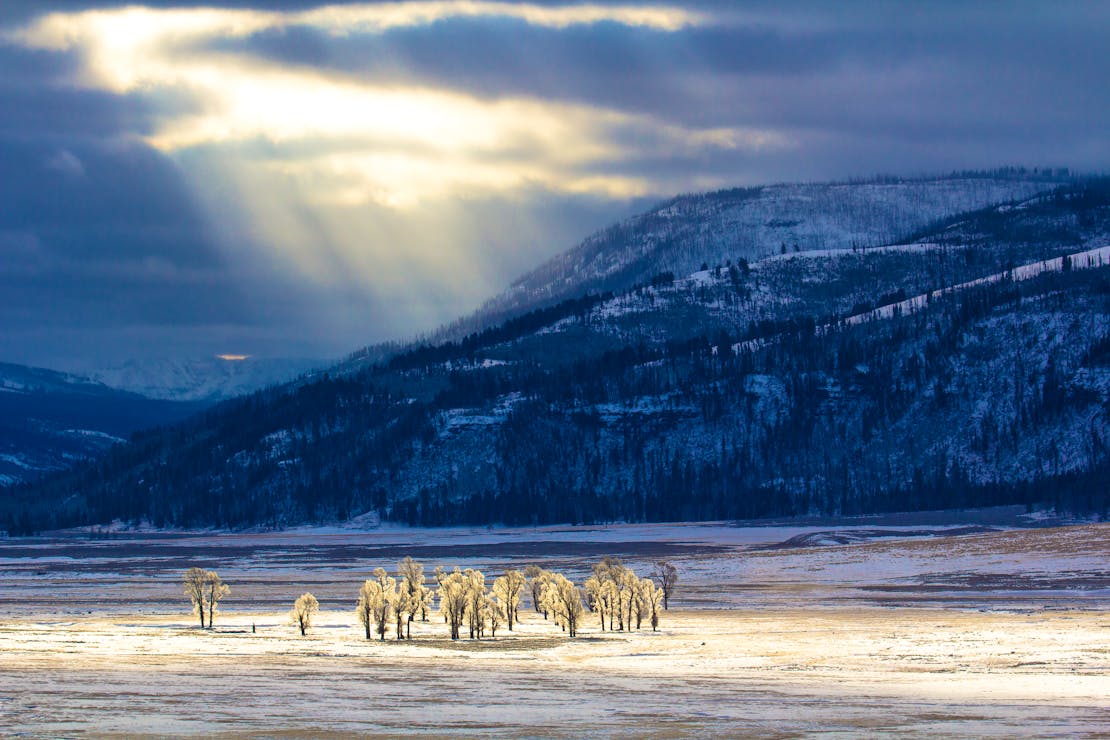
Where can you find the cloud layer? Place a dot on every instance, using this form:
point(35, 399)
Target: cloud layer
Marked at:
point(291, 178)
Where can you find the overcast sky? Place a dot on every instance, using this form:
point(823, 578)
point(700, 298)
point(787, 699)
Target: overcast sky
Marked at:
point(291, 179)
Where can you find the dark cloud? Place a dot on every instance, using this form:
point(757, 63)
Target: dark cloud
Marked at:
point(955, 72)
point(107, 248)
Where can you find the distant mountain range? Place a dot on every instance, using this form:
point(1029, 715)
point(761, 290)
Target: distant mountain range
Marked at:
point(207, 380)
point(815, 349)
point(50, 420)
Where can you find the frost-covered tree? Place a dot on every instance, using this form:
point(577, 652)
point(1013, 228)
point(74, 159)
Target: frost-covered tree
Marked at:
point(536, 576)
point(564, 601)
point(419, 599)
point(440, 575)
point(666, 575)
point(628, 585)
point(613, 588)
point(304, 609)
point(652, 601)
point(214, 591)
point(205, 589)
point(494, 612)
point(641, 608)
point(194, 582)
point(508, 589)
point(453, 590)
point(364, 610)
point(475, 601)
point(386, 601)
point(592, 587)
point(376, 600)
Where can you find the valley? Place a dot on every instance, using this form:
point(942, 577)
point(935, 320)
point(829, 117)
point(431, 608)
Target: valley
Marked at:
point(921, 629)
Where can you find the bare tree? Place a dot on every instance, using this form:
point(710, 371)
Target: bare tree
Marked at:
point(440, 575)
point(375, 600)
point(652, 599)
point(536, 577)
point(453, 590)
point(214, 590)
point(475, 597)
point(194, 588)
point(667, 577)
point(419, 596)
point(304, 609)
point(494, 611)
point(627, 585)
point(386, 600)
point(594, 602)
point(366, 605)
point(508, 588)
point(564, 600)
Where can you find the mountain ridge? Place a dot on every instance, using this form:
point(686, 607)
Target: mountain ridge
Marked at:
point(623, 404)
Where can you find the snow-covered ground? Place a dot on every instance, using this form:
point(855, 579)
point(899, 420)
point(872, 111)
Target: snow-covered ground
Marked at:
point(922, 629)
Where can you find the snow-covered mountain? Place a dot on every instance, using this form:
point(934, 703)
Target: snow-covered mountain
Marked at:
point(50, 420)
point(752, 223)
point(203, 379)
point(965, 362)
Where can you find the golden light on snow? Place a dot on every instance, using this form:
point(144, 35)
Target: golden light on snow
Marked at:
point(233, 358)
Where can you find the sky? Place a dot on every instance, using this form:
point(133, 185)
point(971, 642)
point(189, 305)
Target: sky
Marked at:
point(186, 179)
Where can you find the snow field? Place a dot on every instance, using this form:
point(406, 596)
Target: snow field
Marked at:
point(921, 631)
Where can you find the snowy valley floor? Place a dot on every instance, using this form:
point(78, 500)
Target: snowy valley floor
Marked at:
point(918, 630)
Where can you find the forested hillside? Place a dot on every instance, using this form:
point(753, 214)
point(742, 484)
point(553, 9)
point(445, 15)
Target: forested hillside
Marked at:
point(50, 421)
point(765, 384)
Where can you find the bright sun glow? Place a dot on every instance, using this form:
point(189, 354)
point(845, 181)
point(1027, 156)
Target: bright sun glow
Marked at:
point(395, 146)
point(301, 150)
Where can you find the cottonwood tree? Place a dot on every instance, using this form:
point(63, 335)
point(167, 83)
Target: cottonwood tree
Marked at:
point(494, 611)
point(508, 589)
point(608, 579)
point(628, 585)
point(536, 576)
point(453, 589)
point(214, 591)
point(612, 591)
point(205, 589)
point(366, 605)
point(440, 575)
point(376, 600)
point(195, 580)
point(304, 609)
point(419, 595)
point(667, 577)
point(386, 600)
point(475, 601)
point(564, 601)
point(652, 601)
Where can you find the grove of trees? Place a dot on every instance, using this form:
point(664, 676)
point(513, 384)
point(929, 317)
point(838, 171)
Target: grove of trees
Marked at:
point(621, 599)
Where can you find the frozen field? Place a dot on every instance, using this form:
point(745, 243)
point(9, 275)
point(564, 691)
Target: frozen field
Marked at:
point(919, 630)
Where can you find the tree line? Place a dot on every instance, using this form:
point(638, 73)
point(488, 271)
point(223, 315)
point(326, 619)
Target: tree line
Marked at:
point(613, 592)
